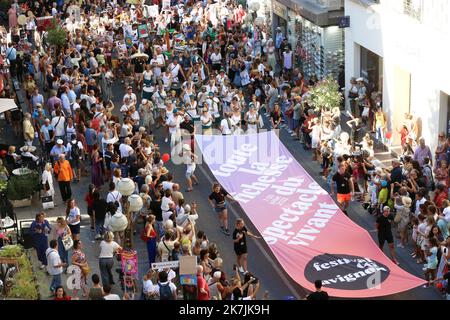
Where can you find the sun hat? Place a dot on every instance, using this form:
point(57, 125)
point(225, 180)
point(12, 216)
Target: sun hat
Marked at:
point(59, 141)
point(186, 147)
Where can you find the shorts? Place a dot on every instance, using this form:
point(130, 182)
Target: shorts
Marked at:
point(382, 238)
point(341, 198)
point(240, 250)
point(75, 229)
point(220, 208)
point(189, 174)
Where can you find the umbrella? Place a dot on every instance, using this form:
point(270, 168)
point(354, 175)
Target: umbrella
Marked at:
point(7, 104)
point(139, 55)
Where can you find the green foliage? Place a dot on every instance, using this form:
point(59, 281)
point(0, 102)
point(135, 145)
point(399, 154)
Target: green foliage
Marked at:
point(11, 251)
point(3, 185)
point(56, 36)
point(4, 5)
point(23, 186)
point(24, 286)
point(325, 95)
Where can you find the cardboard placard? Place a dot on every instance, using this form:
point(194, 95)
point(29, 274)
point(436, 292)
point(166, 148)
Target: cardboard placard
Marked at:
point(188, 265)
point(142, 31)
point(166, 264)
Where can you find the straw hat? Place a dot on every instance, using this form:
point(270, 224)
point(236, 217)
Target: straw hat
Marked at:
point(164, 171)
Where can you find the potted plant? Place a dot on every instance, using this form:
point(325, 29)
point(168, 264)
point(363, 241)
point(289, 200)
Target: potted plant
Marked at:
point(56, 37)
point(325, 95)
point(22, 184)
point(23, 284)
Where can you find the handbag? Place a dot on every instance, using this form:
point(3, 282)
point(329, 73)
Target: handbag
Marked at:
point(85, 270)
point(67, 242)
point(398, 217)
point(47, 202)
point(107, 221)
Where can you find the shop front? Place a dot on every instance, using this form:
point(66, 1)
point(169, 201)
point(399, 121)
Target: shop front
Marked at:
point(313, 33)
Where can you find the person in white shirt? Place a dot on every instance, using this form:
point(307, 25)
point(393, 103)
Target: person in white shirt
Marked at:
point(167, 79)
point(59, 124)
point(125, 148)
point(114, 196)
point(216, 59)
point(227, 125)
point(287, 60)
point(158, 62)
point(130, 95)
point(175, 68)
point(54, 265)
point(108, 295)
point(163, 278)
point(221, 78)
point(108, 248)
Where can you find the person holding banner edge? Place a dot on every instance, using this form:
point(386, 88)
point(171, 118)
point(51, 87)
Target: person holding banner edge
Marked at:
point(240, 244)
point(219, 195)
point(344, 186)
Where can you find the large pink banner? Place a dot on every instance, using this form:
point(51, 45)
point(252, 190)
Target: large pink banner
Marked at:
point(308, 234)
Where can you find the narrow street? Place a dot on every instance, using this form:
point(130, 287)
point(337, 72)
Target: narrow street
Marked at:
point(261, 261)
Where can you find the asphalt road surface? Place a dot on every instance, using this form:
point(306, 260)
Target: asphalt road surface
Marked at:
point(261, 261)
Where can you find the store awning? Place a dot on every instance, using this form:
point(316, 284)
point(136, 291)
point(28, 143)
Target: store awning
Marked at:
point(7, 104)
point(322, 16)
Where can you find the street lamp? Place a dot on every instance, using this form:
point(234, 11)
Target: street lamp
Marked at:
point(131, 203)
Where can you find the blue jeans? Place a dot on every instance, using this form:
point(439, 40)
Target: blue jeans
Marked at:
point(380, 135)
point(159, 226)
point(56, 282)
point(64, 255)
point(99, 226)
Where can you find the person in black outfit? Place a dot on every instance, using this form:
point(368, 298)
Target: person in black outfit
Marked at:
point(396, 176)
point(319, 294)
point(383, 225)
point(240, 244)
point(217, 200)
point(344, 186)
point(99, 208)
point(155, 209)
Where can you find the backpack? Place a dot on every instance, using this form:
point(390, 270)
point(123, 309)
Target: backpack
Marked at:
point(116, 202)
point(165, 292)
point(75, 152)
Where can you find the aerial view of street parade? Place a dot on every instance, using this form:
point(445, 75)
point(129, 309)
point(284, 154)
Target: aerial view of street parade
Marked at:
point(224, 150)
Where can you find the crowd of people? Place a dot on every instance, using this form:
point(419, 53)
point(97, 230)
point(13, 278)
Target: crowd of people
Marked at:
point(199, 68)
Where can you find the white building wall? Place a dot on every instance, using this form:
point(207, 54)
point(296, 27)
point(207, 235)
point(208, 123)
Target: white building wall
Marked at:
point(419, 48)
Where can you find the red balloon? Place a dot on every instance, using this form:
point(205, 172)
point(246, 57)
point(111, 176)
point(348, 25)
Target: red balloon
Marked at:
point(439, 285)
point(165, 157)
point(389, 135)
point(3, 153)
